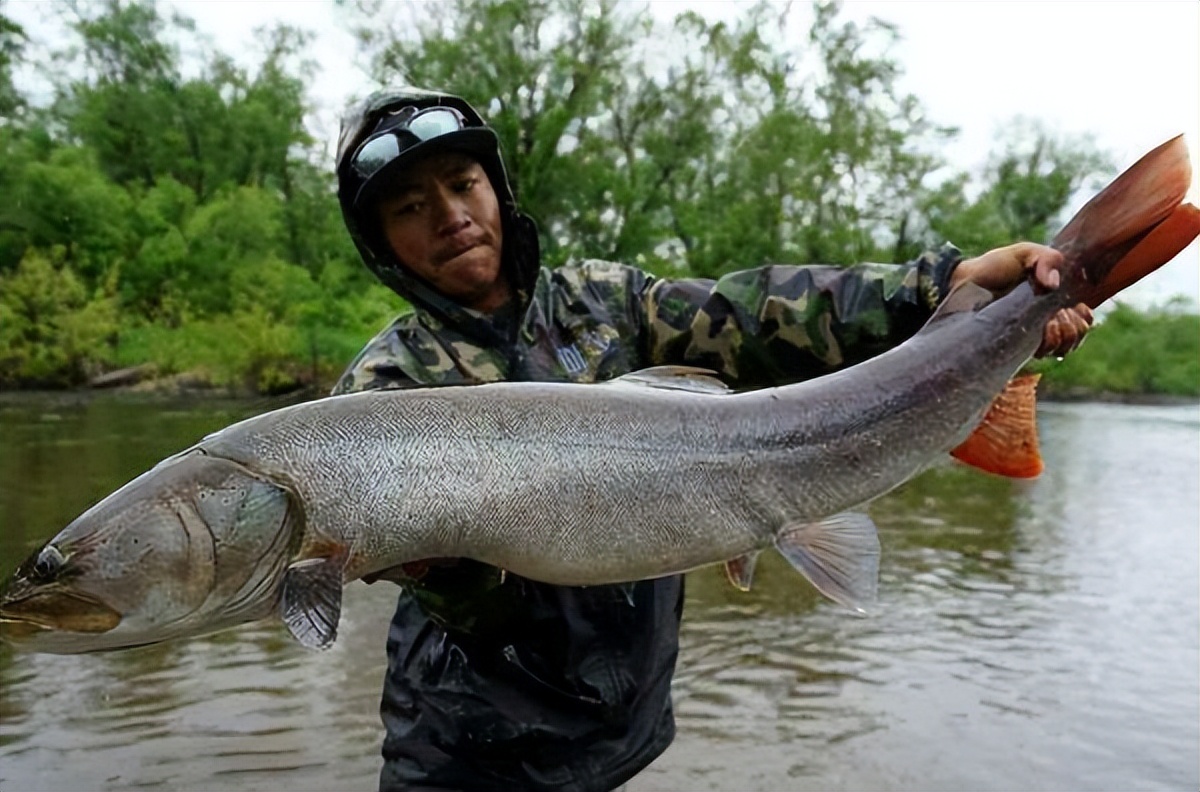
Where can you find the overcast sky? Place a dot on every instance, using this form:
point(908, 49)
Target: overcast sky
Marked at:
point(1126, 72)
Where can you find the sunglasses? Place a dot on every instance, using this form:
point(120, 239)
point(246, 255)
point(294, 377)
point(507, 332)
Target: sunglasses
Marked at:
point(384, 147)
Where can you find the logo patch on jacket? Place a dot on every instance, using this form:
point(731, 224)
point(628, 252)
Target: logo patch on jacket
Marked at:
point(571, 359)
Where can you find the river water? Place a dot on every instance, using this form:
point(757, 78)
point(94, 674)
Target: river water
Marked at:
point(1033, 636)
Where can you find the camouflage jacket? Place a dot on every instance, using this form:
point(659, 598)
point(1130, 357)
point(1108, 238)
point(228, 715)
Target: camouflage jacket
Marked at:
point(599, 320)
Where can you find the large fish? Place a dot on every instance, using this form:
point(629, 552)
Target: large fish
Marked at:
point(654, 473)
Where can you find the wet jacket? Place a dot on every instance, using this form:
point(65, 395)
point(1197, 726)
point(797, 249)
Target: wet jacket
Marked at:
point(498, 682)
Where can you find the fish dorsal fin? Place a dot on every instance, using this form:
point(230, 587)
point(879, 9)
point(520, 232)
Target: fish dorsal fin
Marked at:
point(684, 378)
point(966, 297)
point(311, 602)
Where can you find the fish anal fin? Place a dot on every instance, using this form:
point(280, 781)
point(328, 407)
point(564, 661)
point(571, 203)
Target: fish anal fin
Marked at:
point(740, 571)
point(1006, 441)
point(684, 378)
point(839, 555)
point(311, 602)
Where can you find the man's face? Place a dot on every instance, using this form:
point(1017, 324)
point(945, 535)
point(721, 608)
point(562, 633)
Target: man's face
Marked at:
point(442, 221)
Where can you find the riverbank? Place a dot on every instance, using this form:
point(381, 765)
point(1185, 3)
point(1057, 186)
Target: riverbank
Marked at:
point(1077, 396)
point(191, 387)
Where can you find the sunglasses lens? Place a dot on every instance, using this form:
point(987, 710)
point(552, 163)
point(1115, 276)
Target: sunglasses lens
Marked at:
point(434, 122)
point(376, 153)
point(427, 124)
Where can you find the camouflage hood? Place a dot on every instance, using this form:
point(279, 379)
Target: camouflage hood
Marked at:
point(520, 256)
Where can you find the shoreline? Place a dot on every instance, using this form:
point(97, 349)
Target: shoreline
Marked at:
point(186, 388)
point(1114, 397)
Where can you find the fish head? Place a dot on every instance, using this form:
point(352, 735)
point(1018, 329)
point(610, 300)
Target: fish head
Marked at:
point(194, 545)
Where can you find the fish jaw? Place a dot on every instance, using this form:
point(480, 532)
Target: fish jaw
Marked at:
point(194, 545)
point(35, 614)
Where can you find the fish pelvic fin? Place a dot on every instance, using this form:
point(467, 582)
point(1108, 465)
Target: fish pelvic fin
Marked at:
point(311, 602)
point(839, 555)
point(740, 571)
point(1117, 219)
point(1006, 441)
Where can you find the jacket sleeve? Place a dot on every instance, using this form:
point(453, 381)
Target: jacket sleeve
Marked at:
point(778, 324)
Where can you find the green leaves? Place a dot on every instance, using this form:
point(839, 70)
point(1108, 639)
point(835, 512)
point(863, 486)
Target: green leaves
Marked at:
point(168, 211)
point(1027, 185)
point(705, 147)
point(169, 205)
point(53, 332)
point(1131, 352)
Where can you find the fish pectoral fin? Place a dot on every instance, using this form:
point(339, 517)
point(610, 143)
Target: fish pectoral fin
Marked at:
point(684, 378)
point(839, 555)
point(311, 602)
point(1006, 441)
point(740, 571)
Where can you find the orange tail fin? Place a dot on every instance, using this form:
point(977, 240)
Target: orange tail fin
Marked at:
point(1111, 224)
point(1006, 442)
point(1158, 246)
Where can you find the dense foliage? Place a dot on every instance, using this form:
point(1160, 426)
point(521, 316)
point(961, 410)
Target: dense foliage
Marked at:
point(167, 205)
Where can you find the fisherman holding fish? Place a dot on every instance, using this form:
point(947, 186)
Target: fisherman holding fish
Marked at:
point(499, 682)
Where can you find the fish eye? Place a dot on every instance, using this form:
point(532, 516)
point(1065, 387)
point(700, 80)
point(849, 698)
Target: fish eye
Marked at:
point(49, 561)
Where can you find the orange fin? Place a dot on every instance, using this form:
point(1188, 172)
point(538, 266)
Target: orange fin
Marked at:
point(1006, 442)
point(1161, 244)
point(740, 571)
point(1142, 196)
point(1109, 226)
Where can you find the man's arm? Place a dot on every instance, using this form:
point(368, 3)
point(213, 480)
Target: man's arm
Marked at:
point(777, 324)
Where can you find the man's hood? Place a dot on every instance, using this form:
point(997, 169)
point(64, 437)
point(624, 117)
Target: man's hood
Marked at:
point(520, 256)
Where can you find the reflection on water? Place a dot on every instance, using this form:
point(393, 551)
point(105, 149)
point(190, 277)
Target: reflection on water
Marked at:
point(1028, 636)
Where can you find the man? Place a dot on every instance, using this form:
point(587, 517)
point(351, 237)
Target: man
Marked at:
point(494, 681)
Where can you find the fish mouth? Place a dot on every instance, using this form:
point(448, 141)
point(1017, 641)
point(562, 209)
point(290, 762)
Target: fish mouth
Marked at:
point(55, 611)
point(18, 630)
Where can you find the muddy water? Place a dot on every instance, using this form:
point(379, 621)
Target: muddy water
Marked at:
point(1043, 636)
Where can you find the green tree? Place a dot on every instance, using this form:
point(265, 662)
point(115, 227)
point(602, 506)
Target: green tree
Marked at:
point(68, 203)
point(12, 45)
point(1026, 188)
point(728, 152)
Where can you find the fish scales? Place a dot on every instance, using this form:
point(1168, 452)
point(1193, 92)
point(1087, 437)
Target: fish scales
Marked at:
point(584, 485)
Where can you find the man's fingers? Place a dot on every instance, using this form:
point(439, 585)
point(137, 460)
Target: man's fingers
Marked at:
point(1085, 313)
point(1065, 331)
point(1045, 270)
point(1078, 322)
point(1051, 337)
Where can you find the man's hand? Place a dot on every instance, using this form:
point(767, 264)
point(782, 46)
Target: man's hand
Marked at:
point(1000, 270)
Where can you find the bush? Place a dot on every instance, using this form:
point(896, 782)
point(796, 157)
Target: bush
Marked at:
point(1132, 352)
point(52, 334)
